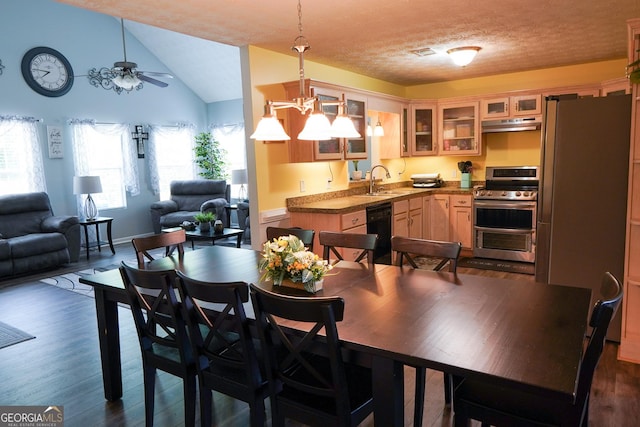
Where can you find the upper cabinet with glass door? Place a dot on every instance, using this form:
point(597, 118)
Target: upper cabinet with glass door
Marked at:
point(422, 131)
point(511, 106)
point(458, 128)
point(356, 148)
point(335, 148)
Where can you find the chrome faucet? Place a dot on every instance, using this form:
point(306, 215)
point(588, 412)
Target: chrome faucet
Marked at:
point(371, 176)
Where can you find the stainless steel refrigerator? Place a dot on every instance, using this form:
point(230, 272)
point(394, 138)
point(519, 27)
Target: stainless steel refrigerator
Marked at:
point(582, 200)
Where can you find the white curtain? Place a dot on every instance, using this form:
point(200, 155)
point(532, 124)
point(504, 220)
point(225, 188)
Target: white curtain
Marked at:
point(232, 140)
point(171, 156)
point(82, 131)
point(21, 164)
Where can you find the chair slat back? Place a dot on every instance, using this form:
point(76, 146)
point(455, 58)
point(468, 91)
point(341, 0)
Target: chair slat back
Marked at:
point(169, 240)
point(306, 236)
point(220, 334)
point(407, 247)
point(290, 359)
point(332, 240)
point(156, 309)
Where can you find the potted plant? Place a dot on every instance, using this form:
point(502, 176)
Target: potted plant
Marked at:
point(210, 157)
point(356, 175)
point(205, 218)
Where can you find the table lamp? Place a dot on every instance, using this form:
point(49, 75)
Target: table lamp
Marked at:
point(239, 176)
point(87, 185)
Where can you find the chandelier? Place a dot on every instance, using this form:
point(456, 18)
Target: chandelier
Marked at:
point(317, 126)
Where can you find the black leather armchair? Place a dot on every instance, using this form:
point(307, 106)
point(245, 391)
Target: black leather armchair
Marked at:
point(244, 221)
point(187, 199)
point(32, 238)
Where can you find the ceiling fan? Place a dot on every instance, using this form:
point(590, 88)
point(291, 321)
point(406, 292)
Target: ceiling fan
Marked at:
point(127, 76)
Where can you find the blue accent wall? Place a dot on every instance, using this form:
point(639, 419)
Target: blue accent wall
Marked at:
point(92, 40)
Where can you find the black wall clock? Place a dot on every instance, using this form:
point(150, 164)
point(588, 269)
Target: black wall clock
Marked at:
point(47, 71)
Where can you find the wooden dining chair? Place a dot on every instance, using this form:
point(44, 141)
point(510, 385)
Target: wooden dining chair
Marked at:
point(170, 241)
point(319, 390)
point(223, 346)
point(408, 248)
point(365, 243)
point(493, 404)
point(306, 236)
point(162, 333)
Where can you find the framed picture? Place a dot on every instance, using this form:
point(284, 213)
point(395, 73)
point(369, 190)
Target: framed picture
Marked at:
point(54, 141)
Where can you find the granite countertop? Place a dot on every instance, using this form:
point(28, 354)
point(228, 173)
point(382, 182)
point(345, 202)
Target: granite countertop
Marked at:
point(345, 203)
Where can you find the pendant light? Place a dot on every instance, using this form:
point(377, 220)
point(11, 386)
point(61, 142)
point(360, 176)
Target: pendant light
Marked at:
point(317, 126)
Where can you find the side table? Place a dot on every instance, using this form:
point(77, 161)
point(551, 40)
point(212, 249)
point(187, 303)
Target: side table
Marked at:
point(85, 223)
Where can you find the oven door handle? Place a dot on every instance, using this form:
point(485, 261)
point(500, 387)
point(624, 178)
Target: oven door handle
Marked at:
point(503, 204)
point(506, 230)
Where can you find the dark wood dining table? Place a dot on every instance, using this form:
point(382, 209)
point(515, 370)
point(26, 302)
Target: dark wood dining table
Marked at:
point(521, 334)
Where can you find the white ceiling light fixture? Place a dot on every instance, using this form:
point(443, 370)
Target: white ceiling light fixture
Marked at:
point(378, 130)
point(463, 55)
point(317, 126)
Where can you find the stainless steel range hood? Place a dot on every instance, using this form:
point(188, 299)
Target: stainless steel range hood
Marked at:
point(511, 125)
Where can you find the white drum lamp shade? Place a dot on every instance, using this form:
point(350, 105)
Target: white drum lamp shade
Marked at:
point(88, 185)
point(239, 177)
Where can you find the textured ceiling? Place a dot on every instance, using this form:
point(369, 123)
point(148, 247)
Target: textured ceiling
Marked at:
point(375, 37)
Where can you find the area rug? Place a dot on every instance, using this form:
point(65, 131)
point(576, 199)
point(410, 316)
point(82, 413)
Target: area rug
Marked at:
point(497, 265)
point(71, 281)
point(10, 335)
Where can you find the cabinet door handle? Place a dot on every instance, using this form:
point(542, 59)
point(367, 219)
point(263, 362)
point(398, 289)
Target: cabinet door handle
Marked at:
point(354, 221)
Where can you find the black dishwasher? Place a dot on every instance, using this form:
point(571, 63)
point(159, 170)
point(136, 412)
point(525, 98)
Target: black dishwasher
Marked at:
point(379, 222)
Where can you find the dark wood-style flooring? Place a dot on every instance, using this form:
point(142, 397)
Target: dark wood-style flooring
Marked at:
point(62, 365)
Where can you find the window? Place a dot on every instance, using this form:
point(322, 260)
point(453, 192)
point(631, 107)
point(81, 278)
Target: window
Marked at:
point(21, 167)
point(232, 140)
point(108, 151)
point(170, 151)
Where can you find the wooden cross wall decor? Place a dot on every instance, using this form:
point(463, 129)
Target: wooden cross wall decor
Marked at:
point(139, 136)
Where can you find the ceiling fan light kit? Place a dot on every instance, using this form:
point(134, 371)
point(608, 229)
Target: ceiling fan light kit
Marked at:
point(124, 76)
point(317, 126)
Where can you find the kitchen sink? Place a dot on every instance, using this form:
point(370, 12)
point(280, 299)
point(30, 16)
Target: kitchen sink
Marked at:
point(380, 194)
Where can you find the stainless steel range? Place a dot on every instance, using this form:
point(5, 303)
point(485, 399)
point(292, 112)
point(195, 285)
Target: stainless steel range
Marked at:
point(504, 214)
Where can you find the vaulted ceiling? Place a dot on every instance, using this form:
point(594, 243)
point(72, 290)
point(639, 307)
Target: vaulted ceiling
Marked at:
point(376, 37)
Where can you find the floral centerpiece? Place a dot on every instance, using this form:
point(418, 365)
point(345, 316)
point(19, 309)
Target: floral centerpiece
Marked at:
point(287, 258)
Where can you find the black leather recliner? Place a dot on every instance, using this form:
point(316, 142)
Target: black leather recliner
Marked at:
point(187, 199)
point(32, 238)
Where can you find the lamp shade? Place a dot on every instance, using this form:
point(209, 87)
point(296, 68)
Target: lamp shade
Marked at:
point(86, 185)
point(317, 128)
point(239, 176)
point(270, 129)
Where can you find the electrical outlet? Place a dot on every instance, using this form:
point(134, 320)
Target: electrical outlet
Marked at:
point(454, 173)
point(302, 188)
point(328, 182)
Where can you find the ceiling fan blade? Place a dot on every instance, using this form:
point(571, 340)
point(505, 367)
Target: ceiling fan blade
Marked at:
point(153, 73)
point(152, 81)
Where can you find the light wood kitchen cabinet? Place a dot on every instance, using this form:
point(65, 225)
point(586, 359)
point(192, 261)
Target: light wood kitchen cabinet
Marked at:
point(351, 222)
point(459, 128)
point(422, 130)
point(629, 349)
point(511, 106)
point(335, 148)
point(407, 218)
point(451, 218)
point(613, 87)
point(461, 220)
point(439, 217)
point(426, 217)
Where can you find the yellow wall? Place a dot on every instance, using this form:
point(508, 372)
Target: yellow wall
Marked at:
point(276, 179)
